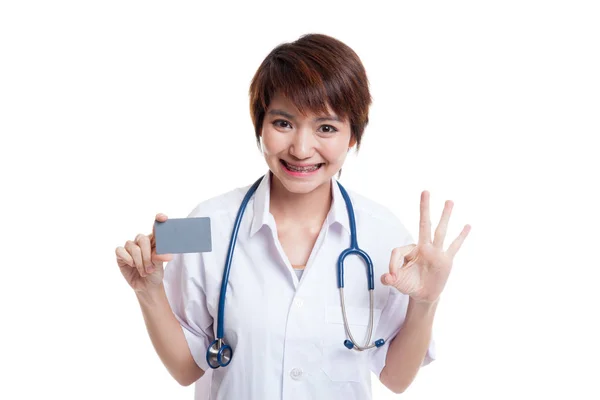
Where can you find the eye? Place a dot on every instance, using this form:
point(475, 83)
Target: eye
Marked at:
point(329, 128)
point(281, 123)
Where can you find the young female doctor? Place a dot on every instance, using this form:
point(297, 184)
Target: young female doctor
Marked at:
point(292, 323)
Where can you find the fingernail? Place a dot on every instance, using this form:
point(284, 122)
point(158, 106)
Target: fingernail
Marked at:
point(149, 269)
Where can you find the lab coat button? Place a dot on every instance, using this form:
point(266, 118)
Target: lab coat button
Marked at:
point(296, 374)
point(298, 302)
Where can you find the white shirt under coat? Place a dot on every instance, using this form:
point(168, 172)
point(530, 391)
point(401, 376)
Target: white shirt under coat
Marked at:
point(287, 333)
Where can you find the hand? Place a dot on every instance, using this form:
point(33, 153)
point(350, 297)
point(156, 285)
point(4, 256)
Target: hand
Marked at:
point(421, 270)
point(139, 263)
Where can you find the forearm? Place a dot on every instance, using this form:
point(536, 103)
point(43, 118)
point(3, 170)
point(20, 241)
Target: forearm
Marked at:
point(408, 349)
point(167, 337)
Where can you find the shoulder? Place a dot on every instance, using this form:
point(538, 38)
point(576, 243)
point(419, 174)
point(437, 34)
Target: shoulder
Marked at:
point(222, 210)
point(222, 205)
point(375, 215)
point(371, 208)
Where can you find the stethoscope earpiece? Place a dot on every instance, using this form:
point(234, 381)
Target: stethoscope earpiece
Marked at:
point(349, 345)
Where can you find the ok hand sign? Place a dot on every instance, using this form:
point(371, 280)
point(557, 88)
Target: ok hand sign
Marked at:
point(421, 270)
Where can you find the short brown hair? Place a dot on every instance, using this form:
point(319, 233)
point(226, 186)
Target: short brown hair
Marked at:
point(313, 71)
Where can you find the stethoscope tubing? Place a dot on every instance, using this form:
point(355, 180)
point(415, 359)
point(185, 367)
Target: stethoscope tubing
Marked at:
point(232, 241)
point(219, 353)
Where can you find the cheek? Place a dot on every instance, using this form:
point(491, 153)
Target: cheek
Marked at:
point(336, 154)
point(271, 142)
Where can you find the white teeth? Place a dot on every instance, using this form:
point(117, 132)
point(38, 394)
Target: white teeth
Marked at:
point(302, 169)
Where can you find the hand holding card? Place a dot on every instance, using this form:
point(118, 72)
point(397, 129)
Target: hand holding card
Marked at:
point(141, 267)
point(141, 260)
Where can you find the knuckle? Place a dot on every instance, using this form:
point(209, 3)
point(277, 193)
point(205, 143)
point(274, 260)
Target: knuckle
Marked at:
point(135, 253)
point(121, 253)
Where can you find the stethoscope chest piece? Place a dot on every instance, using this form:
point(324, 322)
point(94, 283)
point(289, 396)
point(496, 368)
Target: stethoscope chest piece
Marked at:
point(219, 354)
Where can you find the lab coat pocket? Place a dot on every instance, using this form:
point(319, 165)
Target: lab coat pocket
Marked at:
point(341, 363)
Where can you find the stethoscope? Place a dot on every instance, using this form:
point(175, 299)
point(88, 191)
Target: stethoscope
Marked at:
point(219, 353)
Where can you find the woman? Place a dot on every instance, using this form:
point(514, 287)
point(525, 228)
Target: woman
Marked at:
point(309, 104)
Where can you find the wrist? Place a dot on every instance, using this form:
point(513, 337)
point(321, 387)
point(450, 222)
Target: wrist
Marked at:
point(150, 295)
point(423, 307)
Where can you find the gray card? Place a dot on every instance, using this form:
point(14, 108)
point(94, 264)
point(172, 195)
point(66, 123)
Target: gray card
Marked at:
point(183, 235)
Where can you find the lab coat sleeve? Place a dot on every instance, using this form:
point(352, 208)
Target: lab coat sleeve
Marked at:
point(184, 283)
point(394, 314)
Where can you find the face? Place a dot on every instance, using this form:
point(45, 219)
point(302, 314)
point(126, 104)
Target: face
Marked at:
point(303, 151)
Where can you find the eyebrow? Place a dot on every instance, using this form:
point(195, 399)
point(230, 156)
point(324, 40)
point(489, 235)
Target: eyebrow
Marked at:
point(290, 116)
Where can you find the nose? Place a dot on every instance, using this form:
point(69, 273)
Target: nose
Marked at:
point(303, 144)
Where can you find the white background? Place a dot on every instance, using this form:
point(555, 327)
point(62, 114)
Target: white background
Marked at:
point(113, 111)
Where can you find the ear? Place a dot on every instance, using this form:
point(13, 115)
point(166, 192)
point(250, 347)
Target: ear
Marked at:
point(352, 142)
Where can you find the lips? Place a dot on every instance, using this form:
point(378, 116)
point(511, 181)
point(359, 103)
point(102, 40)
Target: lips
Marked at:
point(301, 168)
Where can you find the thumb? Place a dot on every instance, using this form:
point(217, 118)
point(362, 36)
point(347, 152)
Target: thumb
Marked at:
point(160, 217)
point(158, 259)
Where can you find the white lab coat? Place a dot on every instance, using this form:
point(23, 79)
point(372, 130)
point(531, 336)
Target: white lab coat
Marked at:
point(287, 334)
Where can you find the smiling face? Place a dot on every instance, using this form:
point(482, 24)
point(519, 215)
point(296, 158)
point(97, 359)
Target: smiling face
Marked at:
point(303, 151)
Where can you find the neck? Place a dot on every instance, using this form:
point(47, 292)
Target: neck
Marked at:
point(300, 208)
